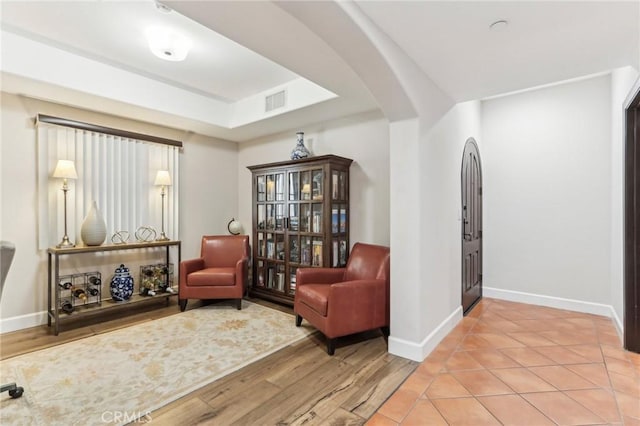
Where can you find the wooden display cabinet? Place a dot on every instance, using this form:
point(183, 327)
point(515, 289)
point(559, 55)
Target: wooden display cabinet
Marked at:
point(300, 219)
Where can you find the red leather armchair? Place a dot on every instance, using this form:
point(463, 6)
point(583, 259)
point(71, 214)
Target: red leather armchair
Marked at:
point(219, 273)
point(343, 301)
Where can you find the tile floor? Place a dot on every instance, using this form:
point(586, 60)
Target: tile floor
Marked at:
point(516, 364)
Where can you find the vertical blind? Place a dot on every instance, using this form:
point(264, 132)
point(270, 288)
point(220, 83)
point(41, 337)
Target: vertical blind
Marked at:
point(116, 172)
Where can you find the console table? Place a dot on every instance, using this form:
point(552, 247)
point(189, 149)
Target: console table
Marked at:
point(100, 303)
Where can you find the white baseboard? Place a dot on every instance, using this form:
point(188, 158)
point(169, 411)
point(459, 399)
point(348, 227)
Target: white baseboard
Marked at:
point(557, 302)
point(23, 321)
point(418, 351)
point(618, 323)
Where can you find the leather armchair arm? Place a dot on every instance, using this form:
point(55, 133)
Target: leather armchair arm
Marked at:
point(189, 266)
point(319, 275)
point(357, 305)
point(241, 270)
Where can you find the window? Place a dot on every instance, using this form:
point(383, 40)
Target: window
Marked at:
point(115, 170)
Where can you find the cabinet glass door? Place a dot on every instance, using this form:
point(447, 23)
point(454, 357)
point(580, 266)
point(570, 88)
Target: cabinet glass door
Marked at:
point(316, 223)
point(305, 185)
point(294, 249)
point(294, 221)
point(271, 188)
point(261, 188)
point(294, 186)
point(317, 191)
point(305, 217)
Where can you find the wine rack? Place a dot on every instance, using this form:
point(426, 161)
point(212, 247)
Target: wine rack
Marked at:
point(81, 289)
point(157, 278)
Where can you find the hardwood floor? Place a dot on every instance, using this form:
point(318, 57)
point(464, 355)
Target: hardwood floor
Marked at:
point(297, 385)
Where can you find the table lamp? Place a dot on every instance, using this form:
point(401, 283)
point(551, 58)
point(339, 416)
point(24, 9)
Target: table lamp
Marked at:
point(163, 180)
point(65, 169)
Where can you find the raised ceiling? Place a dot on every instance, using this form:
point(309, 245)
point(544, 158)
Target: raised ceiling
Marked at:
point(101, 45)
point(114, 33)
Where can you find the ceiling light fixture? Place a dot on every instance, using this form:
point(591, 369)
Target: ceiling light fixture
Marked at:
point(499, 25)
point(168, 44)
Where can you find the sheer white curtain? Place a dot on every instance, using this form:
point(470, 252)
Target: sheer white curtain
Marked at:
point(116, 172)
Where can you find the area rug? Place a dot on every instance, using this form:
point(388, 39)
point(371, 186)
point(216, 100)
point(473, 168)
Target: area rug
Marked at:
point(123, 375)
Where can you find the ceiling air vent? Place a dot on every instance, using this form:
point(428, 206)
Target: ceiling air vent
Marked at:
point(275, 101)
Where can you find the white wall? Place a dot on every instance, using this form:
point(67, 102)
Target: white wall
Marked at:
point(423, 310)
point(209, 196)
point(547, 181)
point(441, 155)
point(361, 137)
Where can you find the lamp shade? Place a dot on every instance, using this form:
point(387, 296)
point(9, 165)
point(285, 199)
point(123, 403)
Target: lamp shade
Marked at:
point(65, 169)
point(163, 178)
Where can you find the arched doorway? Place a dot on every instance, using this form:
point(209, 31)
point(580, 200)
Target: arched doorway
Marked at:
point(471, 226)
point(632, 228)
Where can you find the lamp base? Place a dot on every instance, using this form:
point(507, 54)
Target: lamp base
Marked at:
point(163, 237)
point(65, 243)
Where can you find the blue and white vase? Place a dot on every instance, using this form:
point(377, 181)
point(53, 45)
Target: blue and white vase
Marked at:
point(122, 284)
point(300, 151)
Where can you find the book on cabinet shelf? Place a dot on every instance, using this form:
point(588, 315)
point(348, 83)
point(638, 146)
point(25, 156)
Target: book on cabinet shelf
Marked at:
point(280, 281)
point(317, 223)
point(270, 278)
point(292, 283)
point(317, 253)
point(270, 249)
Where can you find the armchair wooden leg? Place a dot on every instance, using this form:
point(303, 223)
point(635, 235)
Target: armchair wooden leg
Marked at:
point(331, 346)
point(183, 304)
point(239, 304)
point(385, 331)
point(298, 320)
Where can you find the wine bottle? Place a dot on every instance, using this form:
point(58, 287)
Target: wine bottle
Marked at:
point(147, 291)
point(93, 291)
point(66, 285)
point(80, 293)
point(66, 306)
point(93, 280)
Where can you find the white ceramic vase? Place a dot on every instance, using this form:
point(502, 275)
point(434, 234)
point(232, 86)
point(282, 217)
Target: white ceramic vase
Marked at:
point(94, 229)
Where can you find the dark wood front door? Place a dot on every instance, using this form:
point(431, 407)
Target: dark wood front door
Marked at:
point(632, 228)
point(471, 226)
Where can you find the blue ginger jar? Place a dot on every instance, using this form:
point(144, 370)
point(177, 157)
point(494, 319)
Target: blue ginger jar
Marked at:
point(122, 284)
point(300, 151)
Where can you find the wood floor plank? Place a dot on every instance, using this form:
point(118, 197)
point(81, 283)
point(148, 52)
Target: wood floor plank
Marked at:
point(186, 411)
point(306, 359)
point(375, 385)
point(358, 348)
point(299, 397)
point(342, 417)
point(225, 411)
